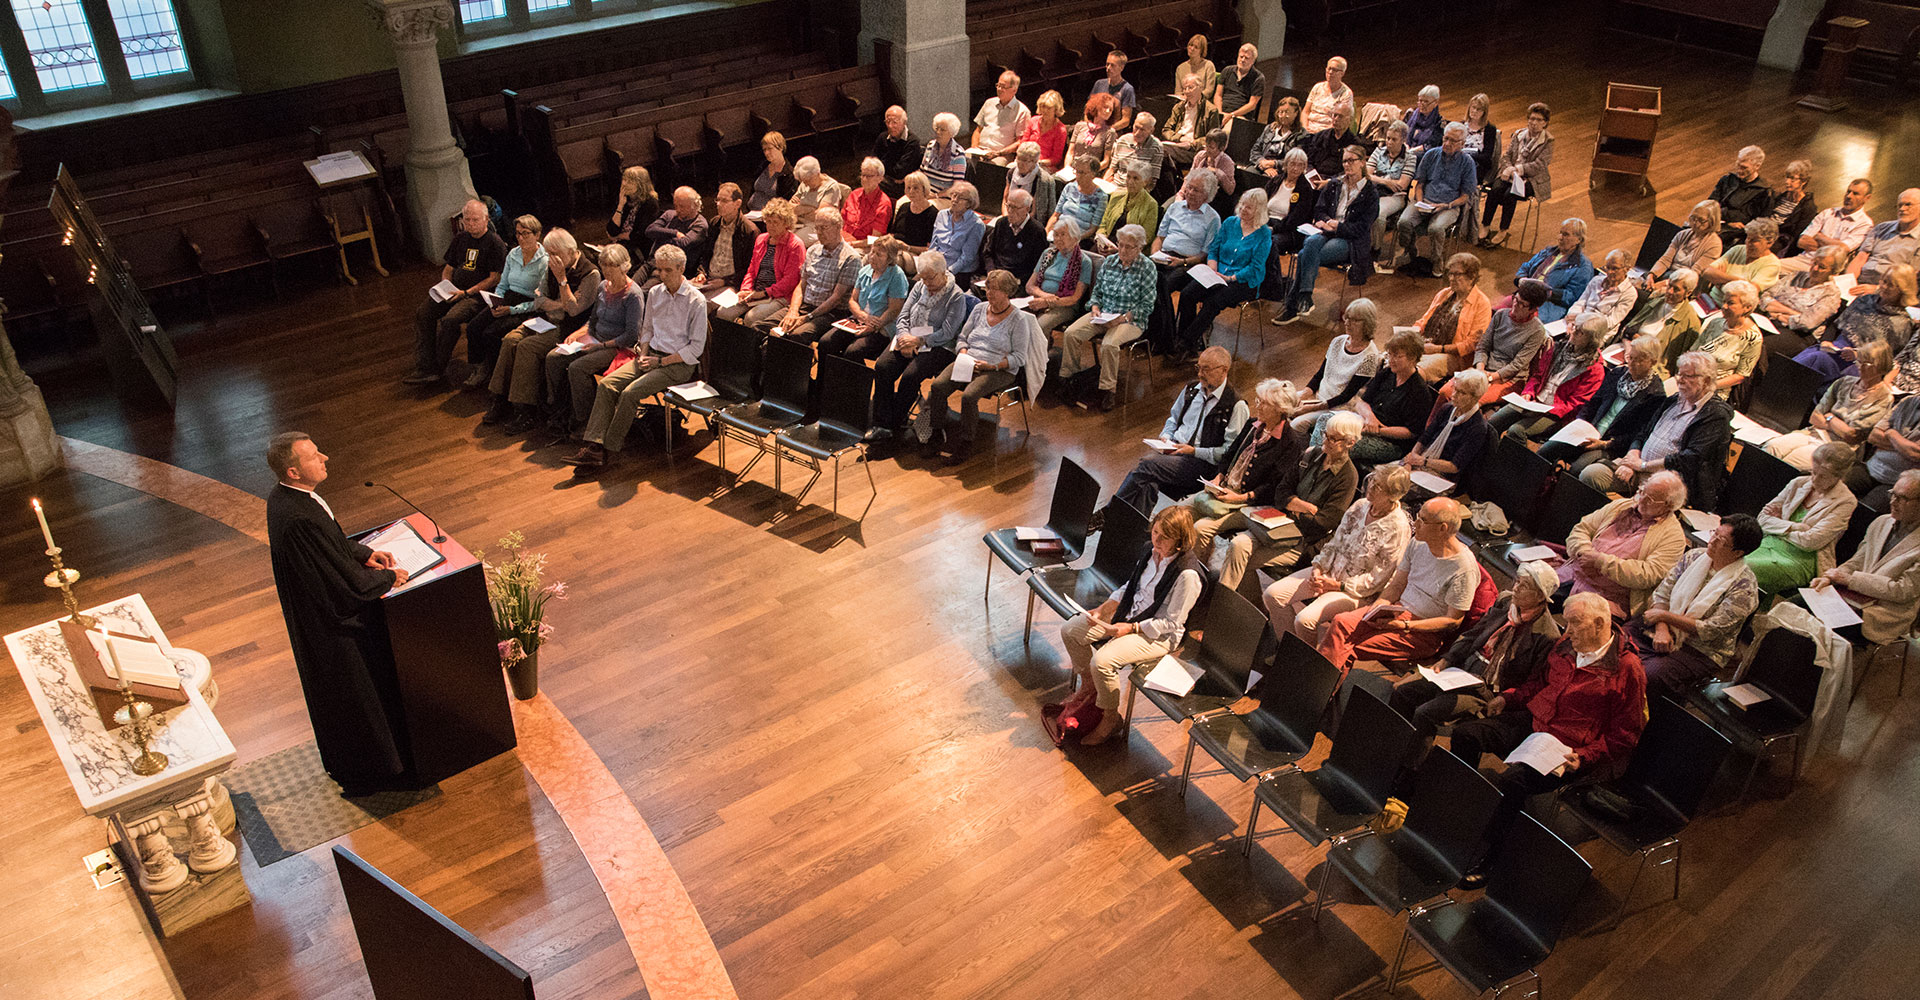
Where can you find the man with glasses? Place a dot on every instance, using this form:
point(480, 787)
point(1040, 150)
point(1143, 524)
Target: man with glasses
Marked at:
point(1843, 227)
point(1442, 183)
point(1421, 609)
point(997, 126)
point(472, 265)
point(899, 149)
point(1691, 437)
point(1206, 416)
point(1609, 295)
point(1623, 550)
point(1885, 570)
point(1187, 228)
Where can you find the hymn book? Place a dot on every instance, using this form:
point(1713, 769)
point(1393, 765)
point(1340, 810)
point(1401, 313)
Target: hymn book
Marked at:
point(443, 291)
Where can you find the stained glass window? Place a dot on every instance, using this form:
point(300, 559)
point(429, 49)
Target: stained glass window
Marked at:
point(60, 43)
point(473, 11)
point(149, 37)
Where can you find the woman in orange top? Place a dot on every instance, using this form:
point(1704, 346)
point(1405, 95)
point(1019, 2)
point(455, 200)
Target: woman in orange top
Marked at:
point(1455, 322)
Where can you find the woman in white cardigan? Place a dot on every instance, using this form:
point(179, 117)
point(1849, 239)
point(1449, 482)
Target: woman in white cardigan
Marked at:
point(1885, 569)
point(1804, 522)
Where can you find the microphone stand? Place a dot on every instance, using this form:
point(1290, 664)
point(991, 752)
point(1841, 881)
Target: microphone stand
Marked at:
point(439, 537)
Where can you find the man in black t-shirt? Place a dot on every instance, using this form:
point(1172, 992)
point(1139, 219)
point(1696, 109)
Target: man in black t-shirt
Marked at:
point(473, 263)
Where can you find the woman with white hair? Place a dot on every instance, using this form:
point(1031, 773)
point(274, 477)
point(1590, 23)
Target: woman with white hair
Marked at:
point(1668, 317)
point(1804, 303)
point(1804, 523)
point(1424, 120)
point(1731, 337)
point(1357, 559)
point(1456, 434)
point(815, 191)
point(1329, 103)
point(1793, 206)
point(958, 231)
point(1030, 175)
point(1260, 462)
point(1291, 199)
point(1351, 360)
point(867, 210)
point(1238, 255)
point(1060, 278)
point(1693, 247)
point(929, 323)
point(1314, 494)
point(1753, 261)
point(946, 160)
point(1847, 412)
point(1629, 400)
point(1122, 303)
point(1132, 205)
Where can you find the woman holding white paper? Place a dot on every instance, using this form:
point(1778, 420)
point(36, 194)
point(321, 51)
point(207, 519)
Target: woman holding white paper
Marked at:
point(930, 324)
point(1357, 561)
point(1804, 523)
point(1565, 375)
point(1143, 620)
point(996, 346)
point(1525, 171)
point(1061, 277)
point(879, 295)
point(1455, 434)
point(1847, 412)
point(1629, 398)
point(1690, 627)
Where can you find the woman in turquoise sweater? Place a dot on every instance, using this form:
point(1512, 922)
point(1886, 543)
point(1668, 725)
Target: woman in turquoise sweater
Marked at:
point(1239, 255)
point(519, 280)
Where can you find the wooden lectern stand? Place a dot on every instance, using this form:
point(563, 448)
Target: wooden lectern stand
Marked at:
point(453, 696)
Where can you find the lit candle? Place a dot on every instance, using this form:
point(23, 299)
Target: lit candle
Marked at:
point(42, 515)
point(113, 658)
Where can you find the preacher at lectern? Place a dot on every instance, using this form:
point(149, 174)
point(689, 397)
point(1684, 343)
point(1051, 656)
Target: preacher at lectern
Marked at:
point(330, 588)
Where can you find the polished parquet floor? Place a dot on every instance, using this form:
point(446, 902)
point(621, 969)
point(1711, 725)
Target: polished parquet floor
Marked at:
point(831, 734)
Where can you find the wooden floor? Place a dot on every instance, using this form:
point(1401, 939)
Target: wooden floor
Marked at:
point(831, 734)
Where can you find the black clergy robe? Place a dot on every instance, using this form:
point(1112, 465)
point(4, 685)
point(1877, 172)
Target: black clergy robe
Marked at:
point(330, 599)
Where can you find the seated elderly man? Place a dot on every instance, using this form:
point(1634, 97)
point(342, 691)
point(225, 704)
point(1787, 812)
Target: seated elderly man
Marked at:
point(1688, 632)
point(1122, 301)
point(826, 283)
point(1187, 229)
point(1505, 649)
point(672, 338)
point(929, 325)
point(1622, 550)
point(1752, 261)
point(1890, 243)
point(681, 226)
point(1442, 184)
point(1673, 328)
point(1421, 609)
point(1188, 123)
point(1896, 449)
point(1609, 296)
point(958, 231)
point(1015, 240)
point(1884, 571)
point(997, 125)
point(1591, 696)
point(1691, 436)
point(472, 264)
point(898, 148)
point(1238, 89)
point(1741, 194)
point(1206, 417)
point(813, 191)
point(1137, 147)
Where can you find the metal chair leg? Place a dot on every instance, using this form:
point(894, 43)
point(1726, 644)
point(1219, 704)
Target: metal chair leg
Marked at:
point(986, 591)
point(1253, 823)
point(1026, 636)
point(1400, 956)
point(1320, 896)
point(1187, 767)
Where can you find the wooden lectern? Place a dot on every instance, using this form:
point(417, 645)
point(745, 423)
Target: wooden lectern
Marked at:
point(453, 697)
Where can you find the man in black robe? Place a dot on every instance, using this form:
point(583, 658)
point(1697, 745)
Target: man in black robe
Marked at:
point(329, 593)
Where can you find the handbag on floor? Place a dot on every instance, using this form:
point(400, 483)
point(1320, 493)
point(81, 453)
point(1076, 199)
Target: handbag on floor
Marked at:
point(1062, 726)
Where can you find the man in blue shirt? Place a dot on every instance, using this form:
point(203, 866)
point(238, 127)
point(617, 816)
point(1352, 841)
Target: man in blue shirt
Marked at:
point(1122, 91)
point(1187, 228)
point(1442, 183)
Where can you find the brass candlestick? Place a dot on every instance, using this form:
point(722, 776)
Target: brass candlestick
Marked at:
point(64, 578)
point(136, 721)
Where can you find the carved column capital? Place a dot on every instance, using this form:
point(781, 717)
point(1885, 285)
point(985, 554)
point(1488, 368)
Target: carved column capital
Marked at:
point(412, 22)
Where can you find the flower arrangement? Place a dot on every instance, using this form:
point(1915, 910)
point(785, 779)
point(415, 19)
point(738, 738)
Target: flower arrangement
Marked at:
point(519, 598)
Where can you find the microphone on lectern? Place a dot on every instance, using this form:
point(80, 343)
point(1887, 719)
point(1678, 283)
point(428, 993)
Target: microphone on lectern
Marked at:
point(439, 537)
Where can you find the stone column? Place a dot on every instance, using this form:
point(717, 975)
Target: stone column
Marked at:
point(29, 449)
point(1786, 37)
point(437, 180)
point(930, 51)
point(1264, 24)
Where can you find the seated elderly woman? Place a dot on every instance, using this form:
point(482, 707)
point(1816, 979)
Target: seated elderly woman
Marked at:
point(1565, 375)
point(1752, 261)
point(1391, 167)
point(1132, 205)
point(1330, 101)
point(879, 294)
point(1792, 206)
point(1423, 607)
point(1731, 337)
point(1121, 305)
point(1622, 550)
point(1281, 136)
point(1505, 648)
point(1885, 569)
point(1424, 120)
point(1213, 159)
point(1456, 434)
point(945, 160)
point(958, 231)
point(1689, 630)
point(520, 278)
point(1609, 295)
point(1563, 266)
point(1141, 621)
point(566, 300)
point(1238, 254)
point(1084, 201)
point(1846, 413)
point(1693, 247)
point(1291, 201)
point(914, 214)
point(1394, 405)
point(1629, 399)
point(1525, 171)
point(1093, 135)
point(867, 210)
point(771, 282)
point(1030, 175)
point(929, 325)
point(1047, 130)
point(1314, 490)
point(1357, 560)
point(1351, 360)
point(1061, 278)
point(1188, 123)
point(1455, 320)
point(1005, 346)
point(814, 191)
point(1801, 305)
point(1804, 523)
point(1877, 315)
point(1262, 460)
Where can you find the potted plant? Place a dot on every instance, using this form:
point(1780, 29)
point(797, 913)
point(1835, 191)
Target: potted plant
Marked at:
point(519, 600)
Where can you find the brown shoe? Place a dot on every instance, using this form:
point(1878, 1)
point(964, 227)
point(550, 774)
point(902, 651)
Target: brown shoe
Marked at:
point(592, 456)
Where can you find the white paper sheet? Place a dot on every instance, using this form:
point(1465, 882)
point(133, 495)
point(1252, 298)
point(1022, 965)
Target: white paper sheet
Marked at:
point(1557, 328)
point(443, 291)
point(1105, 185)
point(1173, 677)
point(335, 168)
point(1828, 606)
point(1576, 433)
point(410, 552)
point(1309, 229)
point(690, 391)
point(1021, 301)
point(1066, 174)
point(1529, 405)
point(1160, 257)
point(1745, 695)
point(1700, 520)
point(1103, 318)
point(963, 367)
point(1437, 485)
point(1206, 276)
point(1542, 752)
point(727, 298)
point(1025, 533)
point(1425, 207)
point(1532, 553)
point(574, 348)
point(1450, 679)
point(1845, 282)
point(538, 324)
point(1158, 444)
point(1751, 431)
point(1519, 187)
point(977, 151)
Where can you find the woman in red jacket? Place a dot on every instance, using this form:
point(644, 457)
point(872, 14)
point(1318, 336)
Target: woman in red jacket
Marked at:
point(1565, 375)
point(771, 284)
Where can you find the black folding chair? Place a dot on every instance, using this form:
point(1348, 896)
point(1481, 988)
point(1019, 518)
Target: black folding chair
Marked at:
point(1293, 696)
point(1784, 396)
point(1075, 492)
point(1232, 637)
point(788, 377)
point(1124, 540)
point(846, 409)
point(1756, 479)
point(1660, 233)
point(1491, 942)
point(1449, 817)
point(1782, 665)
point(1514, 478)
point(1677, 758)
point(733, 366)
point(1353, 784)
